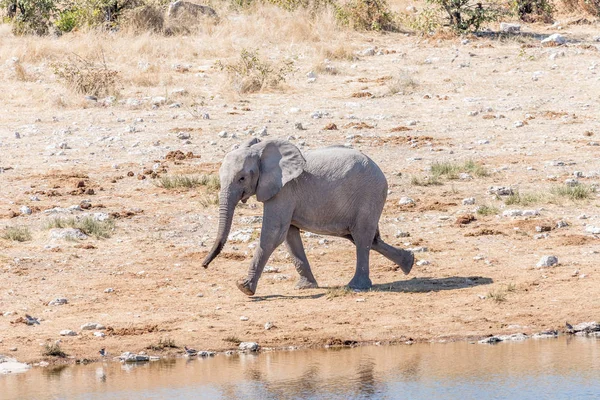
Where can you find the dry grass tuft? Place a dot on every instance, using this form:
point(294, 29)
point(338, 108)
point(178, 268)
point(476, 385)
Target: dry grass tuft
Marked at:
point(87, 77)
point(16, 233)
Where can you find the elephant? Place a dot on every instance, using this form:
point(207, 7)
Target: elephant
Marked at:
point(336, 191)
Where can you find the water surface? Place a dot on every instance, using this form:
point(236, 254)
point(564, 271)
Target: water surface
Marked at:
point(565, 368)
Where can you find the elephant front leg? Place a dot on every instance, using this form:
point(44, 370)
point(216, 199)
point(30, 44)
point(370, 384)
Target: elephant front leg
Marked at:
point(270, 238)
point(293, 242)
point(363, 239)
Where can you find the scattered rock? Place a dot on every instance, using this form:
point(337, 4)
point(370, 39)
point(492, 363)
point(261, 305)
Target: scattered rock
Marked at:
point(129, 357)
point(68, 332)
point(405, 201)
point(400, 234)
point(421, 249)
point(244, 318)
point(270, 270)
point(205, 354)
point(12, 366)
point(469, 201)
point(500, 190)
point(331, 127)
point(554, 40)
point(67, 233)
point(593, 230)
point(547, 261)
point(25, 210)
point(243, 235)
point(90, 326)
point(423, 262)
point(248, 346)
point(58, 301)
point(512, 213)
point(268, 325)
point(509, 28)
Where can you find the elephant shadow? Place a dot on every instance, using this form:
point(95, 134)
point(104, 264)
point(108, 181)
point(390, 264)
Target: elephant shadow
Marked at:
point(427, 284)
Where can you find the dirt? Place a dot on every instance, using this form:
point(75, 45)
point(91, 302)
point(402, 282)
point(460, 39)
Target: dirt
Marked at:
point(465, 101)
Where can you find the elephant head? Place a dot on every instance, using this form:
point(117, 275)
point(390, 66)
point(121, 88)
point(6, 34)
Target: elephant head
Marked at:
point(256, 167)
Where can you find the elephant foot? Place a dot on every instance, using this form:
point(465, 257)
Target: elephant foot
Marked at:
point(408, 259)
point(360, 283)
point(244, 286)
point(304, 283)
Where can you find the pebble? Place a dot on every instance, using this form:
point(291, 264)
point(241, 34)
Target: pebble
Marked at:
point(562, 224)
point(547, 261)
point(519, 124)
point(132, 357)
point(469, 201)
point(299, 126)
point(500, 190)
point(509, 28)
point(25, 210)
point(223, 134)
point(90, 326)
point(68, 332)
point(183, 135)
point(268, 326)
point(571, 182)
point(263, 131)
point(404, 201)
point(421, 249)
point(400, 234)
point(423, 262)
point(58, 301)
point(541, 236)
point(244, 318)
point(270, 270)
point(99, 334)
point(512, 213)
point(593, 230)
point(248, 346)
point(109, 290)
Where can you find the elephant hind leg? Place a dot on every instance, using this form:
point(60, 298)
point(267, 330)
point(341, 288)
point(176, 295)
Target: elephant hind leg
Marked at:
point(403, 258)
point(293, 242)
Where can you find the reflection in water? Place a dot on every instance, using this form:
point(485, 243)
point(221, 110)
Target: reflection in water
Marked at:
point(533, 369)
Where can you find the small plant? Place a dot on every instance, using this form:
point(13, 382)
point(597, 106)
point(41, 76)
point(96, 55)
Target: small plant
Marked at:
point(475, 168)
point(426, 22)
point(403, 84)
point(369, 15)
point(88, 225)
point(577, 192)
point(465, 15)
point(232, 339)
point(533, 10)
point(181, 181)
point(209, 200)
point(53, 350)
point(447, 169)
point(162, 344)
point(498, 295)
point(523, 199)
point(86, 77)
point(250, 74)
point(487, 210)
point(341, 291)
point(433, 180)
point(31, 17)
point(16, 233)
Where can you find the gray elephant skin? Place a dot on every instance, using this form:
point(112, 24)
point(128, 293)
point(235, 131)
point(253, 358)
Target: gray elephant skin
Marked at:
point(333, 191)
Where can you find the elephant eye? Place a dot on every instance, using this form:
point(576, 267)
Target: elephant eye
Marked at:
point(242, 179)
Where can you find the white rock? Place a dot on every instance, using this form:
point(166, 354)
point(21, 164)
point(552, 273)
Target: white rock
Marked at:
point(12, 366)
point(242, 235)
point(99, 334)
point(58, 301)
point(249, 346)
point(593, 229)
point(423, 262)
point(223, 134)
point(400, 234)
point(529, 213)
point(406, 201)
point(571, 182)
point(509, 28)
point(25, 210)
point(268, 325)
point(469, 201)
point(68, 332)
point(244, 318)
point(109, 290)
point(67, 233)
point(90, 326)
point(311, 75)
point(519, 124)
point(547, 261)
point(512, 213)
point(555, 38)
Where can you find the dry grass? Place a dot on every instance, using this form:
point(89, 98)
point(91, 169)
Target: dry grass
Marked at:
point(16, 233)
point(88, 225)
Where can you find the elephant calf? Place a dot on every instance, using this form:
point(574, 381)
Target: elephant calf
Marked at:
point(330, 191)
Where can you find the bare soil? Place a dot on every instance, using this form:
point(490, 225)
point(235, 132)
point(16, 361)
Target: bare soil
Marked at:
point(464, 100)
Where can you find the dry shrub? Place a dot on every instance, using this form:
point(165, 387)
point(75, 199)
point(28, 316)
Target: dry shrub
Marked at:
point(147, 18)
point(591, 7)
point(370, 15)
point(86, 77)
point(21, 74)
point(250, 74)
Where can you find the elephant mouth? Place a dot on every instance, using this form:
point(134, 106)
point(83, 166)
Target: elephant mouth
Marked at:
point(244, 197)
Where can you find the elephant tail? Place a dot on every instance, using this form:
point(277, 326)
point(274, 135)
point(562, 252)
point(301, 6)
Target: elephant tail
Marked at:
point(403, 258)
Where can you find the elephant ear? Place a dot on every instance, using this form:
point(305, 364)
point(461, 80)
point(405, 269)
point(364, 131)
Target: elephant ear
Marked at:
point(280, 162)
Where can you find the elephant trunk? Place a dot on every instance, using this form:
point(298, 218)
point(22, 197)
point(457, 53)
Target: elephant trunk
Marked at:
point(227, 205)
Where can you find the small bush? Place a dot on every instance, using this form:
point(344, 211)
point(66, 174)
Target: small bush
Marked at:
point(577, 192)
point(232, 339)
point(426, 21)
point(465, 15)
point(403, 84)
point(341, 291)
point(53, 350)
point(533, 10)
point(368, 15)
point(88, 225)
point(523, 199)
point(16, 233)
point(163, 344)
point(486, 210)
point(67, 20)
point(451, 170)
point(209, 200)
point(86, 77)
point(33, 17)
point(146, 18)
point(211, 182)
point(250, 74)
point(498, 295)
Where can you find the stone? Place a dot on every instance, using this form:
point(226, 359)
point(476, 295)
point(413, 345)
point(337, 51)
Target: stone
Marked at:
point(183, 135)
point(223, 134)
point(242, 235)
point(25, 210)
point(268, 326)
point(109, 290)
point(67, 233)
point(547, 261)
point(58, 301)
point(249, 346)
point(545, 335)
point(99, 334)
point(512, 213)
point(299, 126)
point(509, 28)
point(469, 201)
point(90, 326)
point(593, 230)
point(270, 270)
point(555, 39)
point(311, 75)
point(529, 213)
point(244, 318)
point(132, 357)
point(401, 234)
point(561, 224)
point(368, 51)
point(490, 340)
point(68, 332)
point(405, 201)
point(205, 354)
point(423, 262)
point(571, 182)
point(500, 190)
point(262, 131)
point(519, 124)
point(421, 249)
point(586, 327)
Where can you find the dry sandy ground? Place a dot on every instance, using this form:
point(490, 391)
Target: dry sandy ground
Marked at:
point(465, 99)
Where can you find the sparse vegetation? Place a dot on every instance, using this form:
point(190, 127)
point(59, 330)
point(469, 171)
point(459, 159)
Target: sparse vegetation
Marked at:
point(16, 233)
point(370, 15)
point(466, 15)
point(163, 343)
point(250, 73)
point(432, 180)
point(53, 350)
point(233, 340)
point(87, 77)
point(576, 192)
point(523, 199)
point(486, 210)
point(532, 10)
point(499, 295)
point(210, 181)
point(452, 170)
point(340, 291)
point(88, 225)
point(403, 84)
point(209, 200)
